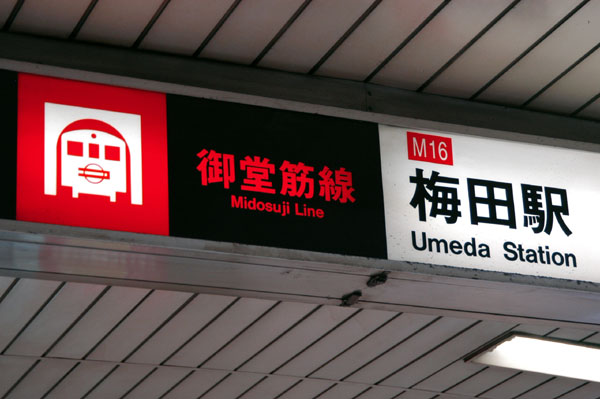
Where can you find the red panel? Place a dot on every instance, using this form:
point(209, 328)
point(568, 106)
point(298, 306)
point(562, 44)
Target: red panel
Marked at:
point(88, 209)
point(429, 148)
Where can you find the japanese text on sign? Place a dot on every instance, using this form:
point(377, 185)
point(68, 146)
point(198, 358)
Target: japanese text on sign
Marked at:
point(490, 202)
point(499, 205)
point(258, 174)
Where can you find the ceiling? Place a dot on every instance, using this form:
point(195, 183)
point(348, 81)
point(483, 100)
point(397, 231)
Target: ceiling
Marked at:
point(80, 340)
point(533, 54)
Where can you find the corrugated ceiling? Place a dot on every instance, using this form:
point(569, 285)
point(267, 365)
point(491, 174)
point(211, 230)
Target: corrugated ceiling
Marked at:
point(532, 54)
point(78, 340)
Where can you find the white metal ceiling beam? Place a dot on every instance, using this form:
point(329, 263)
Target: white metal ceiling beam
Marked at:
point(96, 256)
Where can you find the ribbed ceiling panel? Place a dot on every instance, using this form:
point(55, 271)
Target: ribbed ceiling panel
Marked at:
point(522, 53)
point(250, 349)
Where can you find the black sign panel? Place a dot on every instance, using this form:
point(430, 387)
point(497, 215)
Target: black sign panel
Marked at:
point(8, 149)
point(261, 176)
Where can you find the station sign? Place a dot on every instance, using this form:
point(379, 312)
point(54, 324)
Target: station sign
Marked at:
point(99, 156)
point(490, 204)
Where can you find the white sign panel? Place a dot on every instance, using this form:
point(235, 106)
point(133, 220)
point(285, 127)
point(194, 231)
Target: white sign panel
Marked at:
point(83, 170)
point(491, 204)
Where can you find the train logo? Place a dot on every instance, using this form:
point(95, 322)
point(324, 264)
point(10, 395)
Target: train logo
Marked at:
point(93, 158)
point(92, 151)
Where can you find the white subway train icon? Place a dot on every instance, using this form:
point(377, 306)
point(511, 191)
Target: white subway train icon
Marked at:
point(93, 158)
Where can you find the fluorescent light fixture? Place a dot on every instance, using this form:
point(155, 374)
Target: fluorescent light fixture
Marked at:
point(542, 355)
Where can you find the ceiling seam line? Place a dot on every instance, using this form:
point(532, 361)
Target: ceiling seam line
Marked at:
point(572, 390)
point(358, 395)
point(295, 384)
point(561, 75)
point(407, 40)
point(345, 36)
point(323, 336)
point(251, 387)
point(77, 319)
point(177, 383)
point(21, 378)
point(319, 339)
point(133, 309)
point(572, 340)
point(499, 383)
point(144, 378)
point(281, 32)
point(349, 348)
point(13, 14)
point(423, 355)
point(590, 336)
point(529, 49)
point(204, 327)
point(551, 332)
point(457, 360)
point(465, 379)
point(240, 333)
point(329, 388)
point(82, 20)
point(534, 387)
point(437, 394)
point(414, 333)
point(585, 105)
point(150, 23)
point(61, 379)
point(214, 385)
point(469, 44)
point(216, 28)
point(294, 325)
point(9, 288)
point(36, 314)
point(96, 385)
point(161, 325)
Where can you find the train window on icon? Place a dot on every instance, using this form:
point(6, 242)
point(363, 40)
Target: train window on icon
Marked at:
point(94, 151)
point(111, 153)
point(75, 148)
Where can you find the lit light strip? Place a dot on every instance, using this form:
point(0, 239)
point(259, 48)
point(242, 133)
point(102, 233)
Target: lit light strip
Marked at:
point(544, 356)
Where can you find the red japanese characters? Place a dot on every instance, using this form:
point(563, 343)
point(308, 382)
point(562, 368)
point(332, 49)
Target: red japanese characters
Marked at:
point(259, 175)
